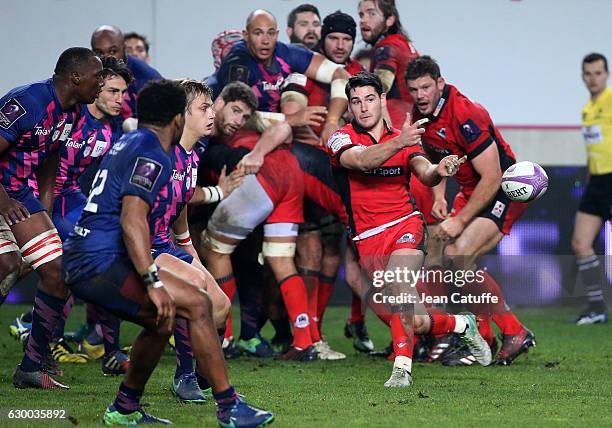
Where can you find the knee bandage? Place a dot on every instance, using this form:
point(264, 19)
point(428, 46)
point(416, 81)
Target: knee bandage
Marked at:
point(7, 239)
point(278, 249)
point(42, 248)
point(215, 245)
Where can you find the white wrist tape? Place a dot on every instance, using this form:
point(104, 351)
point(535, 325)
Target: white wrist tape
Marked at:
point(212, 194)
point(338, 88)
point(183, 239)
point(267, 118)
point(326, 70)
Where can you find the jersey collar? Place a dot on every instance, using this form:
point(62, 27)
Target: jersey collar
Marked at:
point(360, 130)
point(441, 103)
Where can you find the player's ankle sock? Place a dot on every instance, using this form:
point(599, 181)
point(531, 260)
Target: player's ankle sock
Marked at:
point(127, 400)
point(403, 362)
point(202, 381)
point(442, 324)
point(486, 329)
point(326, 289)
point(58, 333)
point(110, 326)
point(282, 327)
point(221, 334)
point(27, 317)
point(47, 311)
point(590, 272)
point(402, 340)
point(311, 282)
point(249, 321)
point(296, 301)
point(508, 323)
point(182, 347)
point(228, 285)
point(225, 399)
point(357, 312)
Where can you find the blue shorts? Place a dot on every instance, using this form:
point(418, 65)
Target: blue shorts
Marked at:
point(171, 248)
point(67, 209)
point(28, 199)
point(118, 289)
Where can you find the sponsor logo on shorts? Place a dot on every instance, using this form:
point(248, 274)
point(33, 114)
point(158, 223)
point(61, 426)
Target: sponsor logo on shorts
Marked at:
point(498, 209)
point(145, 173)
point(10, 112)
point(302, 321)
point(408, 237)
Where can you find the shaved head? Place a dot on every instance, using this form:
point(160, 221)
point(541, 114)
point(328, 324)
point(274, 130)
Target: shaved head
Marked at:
point(108, 40)
point(260, 14)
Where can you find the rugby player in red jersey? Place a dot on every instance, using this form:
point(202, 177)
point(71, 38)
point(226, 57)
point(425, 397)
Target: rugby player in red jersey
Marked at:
point(318, 245)
point(392, 51)
point(481, 214)
point(372, 163)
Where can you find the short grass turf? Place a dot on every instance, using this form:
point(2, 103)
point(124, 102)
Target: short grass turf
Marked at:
point(565, 381)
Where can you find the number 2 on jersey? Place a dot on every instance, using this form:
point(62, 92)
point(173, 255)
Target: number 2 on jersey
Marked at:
point(97, 187)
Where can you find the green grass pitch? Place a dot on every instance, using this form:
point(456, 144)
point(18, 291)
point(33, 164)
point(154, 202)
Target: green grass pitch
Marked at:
point(565, 381)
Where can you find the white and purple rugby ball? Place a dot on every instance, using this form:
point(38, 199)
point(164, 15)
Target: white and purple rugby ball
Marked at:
point(524, 181)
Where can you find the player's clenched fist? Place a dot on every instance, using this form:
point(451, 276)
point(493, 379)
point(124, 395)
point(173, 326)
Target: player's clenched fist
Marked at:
point(164, 303)
point(411, 132)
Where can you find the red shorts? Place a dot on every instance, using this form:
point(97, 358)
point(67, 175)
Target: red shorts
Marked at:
point(502, 211)
point(374, 252)
point(281, 178)
point(423, 197)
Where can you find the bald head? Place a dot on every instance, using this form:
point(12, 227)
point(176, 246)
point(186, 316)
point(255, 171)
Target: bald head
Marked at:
point(261, 16)
point(108, 40)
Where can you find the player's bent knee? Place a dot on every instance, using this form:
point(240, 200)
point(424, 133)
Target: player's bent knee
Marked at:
point(10, 262)
point(582, 247)
point(278, 249)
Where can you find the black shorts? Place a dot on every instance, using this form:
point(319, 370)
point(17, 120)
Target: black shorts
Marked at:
point(597, 198)
point(119, 289)
point(316, 219)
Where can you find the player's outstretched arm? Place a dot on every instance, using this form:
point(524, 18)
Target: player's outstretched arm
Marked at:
point(487, 166)
point(432, 174)
point(270, 139)
point(366, 158)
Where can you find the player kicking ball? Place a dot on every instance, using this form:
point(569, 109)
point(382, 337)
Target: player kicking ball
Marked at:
point(128, 193)
point(372, 163)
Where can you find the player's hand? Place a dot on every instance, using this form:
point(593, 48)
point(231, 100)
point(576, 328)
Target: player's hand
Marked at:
point(251, 163)
point(229, 183)
point(13, 211)
point(411, 132)
point(308, 116)
point(449, 165)
point(164, 303)
point(440, 209)
point(450, 229)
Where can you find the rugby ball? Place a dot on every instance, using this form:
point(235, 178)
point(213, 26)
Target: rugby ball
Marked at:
point(524, 181)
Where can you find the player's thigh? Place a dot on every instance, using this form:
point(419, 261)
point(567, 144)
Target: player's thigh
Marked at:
point(309, 250)
point(479, 237)
point(586, 229)
point(189, 300)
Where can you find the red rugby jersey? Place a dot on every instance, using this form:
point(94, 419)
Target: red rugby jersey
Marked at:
point(460, 126)
point(381, 195)
point(394, 53)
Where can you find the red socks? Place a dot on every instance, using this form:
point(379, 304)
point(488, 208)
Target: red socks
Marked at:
point(326, 288)
point(228, 285)
point(357, 313)
point(311, 281)
point(402, 340)
point(296, 301)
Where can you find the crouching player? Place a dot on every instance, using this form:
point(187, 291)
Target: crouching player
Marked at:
point(128, 197)
point(179, 255)
point(372, 164)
